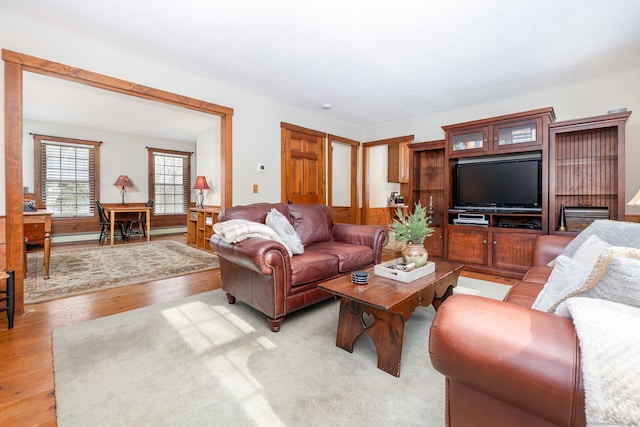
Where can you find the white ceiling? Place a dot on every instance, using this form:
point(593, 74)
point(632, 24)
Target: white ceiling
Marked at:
point(374, 61)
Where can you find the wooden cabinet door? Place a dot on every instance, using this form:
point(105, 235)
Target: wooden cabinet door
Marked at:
point(435, 243)
point(512, 251)
point(467, 245)
point(468, 142)
point(518, 136)
point(398, 163)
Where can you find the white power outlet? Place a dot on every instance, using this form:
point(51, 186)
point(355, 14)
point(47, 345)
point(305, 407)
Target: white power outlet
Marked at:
point(261, 167)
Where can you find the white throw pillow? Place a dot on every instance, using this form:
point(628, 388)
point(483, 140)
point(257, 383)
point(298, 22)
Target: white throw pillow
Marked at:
point(567, 275)
point(615, 277)
point(285, 230)
point(590, 250)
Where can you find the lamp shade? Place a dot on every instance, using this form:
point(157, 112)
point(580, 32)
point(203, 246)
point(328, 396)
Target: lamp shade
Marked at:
point(123, 181)
point(201, 183)
point(636, 200)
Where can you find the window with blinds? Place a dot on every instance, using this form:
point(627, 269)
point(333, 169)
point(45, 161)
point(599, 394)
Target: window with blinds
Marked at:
point(66, 175)
point(170, 186)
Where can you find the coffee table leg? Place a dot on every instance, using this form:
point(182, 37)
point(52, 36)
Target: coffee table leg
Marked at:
point(350, 325)
point(387, 334)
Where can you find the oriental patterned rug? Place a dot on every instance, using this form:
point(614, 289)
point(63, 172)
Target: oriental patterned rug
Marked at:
point(74, 271)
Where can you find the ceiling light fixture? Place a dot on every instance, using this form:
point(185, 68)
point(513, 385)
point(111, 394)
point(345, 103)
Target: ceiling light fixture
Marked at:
point(326, 106)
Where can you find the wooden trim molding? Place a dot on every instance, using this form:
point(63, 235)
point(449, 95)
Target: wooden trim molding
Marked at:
point(14, 65)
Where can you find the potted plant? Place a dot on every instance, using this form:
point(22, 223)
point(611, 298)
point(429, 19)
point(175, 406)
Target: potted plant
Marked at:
point(410, 233)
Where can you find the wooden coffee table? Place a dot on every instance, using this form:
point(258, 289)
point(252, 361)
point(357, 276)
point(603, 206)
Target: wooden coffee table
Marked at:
point(391, 303)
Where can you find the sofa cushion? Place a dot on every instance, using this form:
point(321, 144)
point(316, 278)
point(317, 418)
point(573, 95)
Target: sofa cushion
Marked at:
point(567, 275)
point(538, 274)
point(523, 293)
point(313, 223)
point(615, 277)
point(281, 225)
point(349, 256)
point(312, 267)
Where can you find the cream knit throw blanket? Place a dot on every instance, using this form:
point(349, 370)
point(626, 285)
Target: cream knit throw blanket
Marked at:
point(609, 335)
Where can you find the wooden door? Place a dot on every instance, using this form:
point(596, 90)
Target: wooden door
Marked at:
point(303, 177)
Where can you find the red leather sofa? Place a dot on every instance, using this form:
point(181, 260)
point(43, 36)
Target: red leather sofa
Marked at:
point(261, 273)
point(507, 364)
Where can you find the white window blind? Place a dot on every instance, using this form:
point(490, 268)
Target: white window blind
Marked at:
point(170, 182)
point(67, 177)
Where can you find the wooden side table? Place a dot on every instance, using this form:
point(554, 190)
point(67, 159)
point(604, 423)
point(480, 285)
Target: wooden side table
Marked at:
point(37, 231)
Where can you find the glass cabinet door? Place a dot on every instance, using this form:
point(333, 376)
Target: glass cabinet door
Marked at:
point(507, 135)
point(473, 140)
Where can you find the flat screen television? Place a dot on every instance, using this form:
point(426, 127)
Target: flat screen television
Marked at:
point(509, 185)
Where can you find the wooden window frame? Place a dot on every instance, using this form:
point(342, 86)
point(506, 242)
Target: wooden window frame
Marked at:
point(151, 153)
point(38, 176)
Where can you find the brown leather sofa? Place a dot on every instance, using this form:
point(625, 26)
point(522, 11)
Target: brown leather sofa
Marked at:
point(261, 273)
point(506, 364)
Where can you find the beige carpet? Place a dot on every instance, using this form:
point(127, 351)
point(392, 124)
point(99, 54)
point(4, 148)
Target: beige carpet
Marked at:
point(74, 271)
point(200, 361)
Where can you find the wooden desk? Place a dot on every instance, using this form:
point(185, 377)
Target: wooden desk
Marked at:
point(37, 231)
point(140, 210)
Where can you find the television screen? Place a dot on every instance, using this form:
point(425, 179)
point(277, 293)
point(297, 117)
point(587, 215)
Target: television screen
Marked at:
point(510, 184)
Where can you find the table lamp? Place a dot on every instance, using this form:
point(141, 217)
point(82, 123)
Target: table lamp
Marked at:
point(123, 181)
point(201, 184)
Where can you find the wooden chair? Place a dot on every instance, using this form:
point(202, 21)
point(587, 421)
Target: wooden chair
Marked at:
point(105, 233)
point(141, 223)
point(10, 296)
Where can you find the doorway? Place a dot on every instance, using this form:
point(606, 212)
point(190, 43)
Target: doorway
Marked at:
point(15, 65)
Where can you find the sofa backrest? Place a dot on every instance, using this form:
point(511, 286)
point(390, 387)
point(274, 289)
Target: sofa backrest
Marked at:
point(313, 223)
point(256, 212)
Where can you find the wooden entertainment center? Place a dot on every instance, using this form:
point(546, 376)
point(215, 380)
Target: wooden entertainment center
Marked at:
point(582, 168)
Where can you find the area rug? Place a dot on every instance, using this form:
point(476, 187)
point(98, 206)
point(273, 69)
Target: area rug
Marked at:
point(74, 271)
point(201, 361)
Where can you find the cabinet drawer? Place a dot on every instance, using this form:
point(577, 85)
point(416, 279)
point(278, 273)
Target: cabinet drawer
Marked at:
point(34, 236)
point(33, 227)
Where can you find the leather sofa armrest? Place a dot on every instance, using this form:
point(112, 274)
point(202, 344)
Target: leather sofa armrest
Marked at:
point(548, 247)
point(256, 253)
point(526, 358)
point(373, 236)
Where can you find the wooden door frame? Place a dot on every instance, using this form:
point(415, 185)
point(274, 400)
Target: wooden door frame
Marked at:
point(365, 168)
point(14, 65)
point(354, 195)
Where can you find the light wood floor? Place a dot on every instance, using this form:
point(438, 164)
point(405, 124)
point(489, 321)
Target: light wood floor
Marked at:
point(27, 395)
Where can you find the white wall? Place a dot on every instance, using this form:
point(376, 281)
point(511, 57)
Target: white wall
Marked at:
point(581, 99)
point(208, 164)
point(256, 121)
